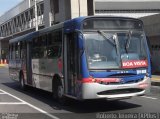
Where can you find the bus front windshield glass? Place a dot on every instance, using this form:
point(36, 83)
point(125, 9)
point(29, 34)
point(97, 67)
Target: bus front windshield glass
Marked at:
point(108, 49)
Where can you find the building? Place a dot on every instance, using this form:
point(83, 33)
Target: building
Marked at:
point(131, 8)
point(152, 29)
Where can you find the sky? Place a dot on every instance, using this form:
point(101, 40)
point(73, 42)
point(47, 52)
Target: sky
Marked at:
point(5, 5)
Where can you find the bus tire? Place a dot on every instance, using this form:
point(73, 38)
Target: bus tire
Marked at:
point(58, 91)
point(21, 80)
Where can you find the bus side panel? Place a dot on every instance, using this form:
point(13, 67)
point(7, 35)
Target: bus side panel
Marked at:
point(43, 71)
point(14, 69)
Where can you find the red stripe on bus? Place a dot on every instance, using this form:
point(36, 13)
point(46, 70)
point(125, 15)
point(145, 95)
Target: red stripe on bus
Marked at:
point(98, 80)
point(60, 64)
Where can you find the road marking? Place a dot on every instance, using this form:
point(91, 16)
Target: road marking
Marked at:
point(2, 93)
point(34, 107)
point(149, 97)
point(12, 103)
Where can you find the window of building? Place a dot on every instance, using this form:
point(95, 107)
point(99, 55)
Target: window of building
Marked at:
point(56, 6)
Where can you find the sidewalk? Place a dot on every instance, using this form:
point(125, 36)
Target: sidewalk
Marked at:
point(155, 80)
point(3, 65)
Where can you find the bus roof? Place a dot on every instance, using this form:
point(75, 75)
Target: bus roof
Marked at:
point(24, 37)
point(75, 23)
point(31, 35)
point(69, 26)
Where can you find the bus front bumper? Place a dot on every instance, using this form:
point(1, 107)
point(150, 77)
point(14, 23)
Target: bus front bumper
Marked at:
point(120, 91)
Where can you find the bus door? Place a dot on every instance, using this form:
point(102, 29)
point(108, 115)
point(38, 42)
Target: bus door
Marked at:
point(71, 62)
point(29, 64)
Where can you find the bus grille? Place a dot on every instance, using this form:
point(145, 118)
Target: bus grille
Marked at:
point(122, 82)
point(120, 91)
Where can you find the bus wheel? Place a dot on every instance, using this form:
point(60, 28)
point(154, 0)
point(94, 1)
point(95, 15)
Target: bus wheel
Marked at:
point(22, 84)
point(61, 98)
point(58, 92)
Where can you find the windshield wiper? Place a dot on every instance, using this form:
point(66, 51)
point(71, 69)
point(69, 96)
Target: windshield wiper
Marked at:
point(108, 39)
point(128, 41)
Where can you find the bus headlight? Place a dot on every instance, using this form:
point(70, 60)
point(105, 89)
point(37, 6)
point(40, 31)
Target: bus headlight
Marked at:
point(143, 85)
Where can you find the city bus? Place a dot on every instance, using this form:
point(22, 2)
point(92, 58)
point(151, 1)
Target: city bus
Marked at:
point(94, 57)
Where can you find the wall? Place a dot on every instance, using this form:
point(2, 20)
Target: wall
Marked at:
point(152, 29)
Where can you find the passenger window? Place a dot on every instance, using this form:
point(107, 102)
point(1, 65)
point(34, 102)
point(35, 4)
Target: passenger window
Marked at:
point(17, 50)
point(53, 51)
point(11, 52)
point(39, 47)
point(48, 45)
point(54, 44)
point(23, 50)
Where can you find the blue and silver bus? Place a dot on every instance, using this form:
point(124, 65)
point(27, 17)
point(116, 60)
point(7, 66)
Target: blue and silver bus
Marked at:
point(92, 57)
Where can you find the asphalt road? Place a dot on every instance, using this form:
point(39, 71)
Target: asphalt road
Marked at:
point(36, 104)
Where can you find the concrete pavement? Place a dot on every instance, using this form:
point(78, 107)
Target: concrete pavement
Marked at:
point(35, 104)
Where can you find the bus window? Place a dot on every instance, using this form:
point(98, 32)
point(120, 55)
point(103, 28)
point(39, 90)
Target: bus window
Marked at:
point(10, 51)
point(53, 51)
point(54, 44)
point(13, 51)
point(39, 47)
point(17, 50)
point(23, 50)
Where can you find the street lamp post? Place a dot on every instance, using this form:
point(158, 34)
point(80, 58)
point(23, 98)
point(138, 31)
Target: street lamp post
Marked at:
point(36, 18)
point(79, 5)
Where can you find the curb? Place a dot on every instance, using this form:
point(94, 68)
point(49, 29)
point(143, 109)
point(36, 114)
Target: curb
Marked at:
point(155, 83)
point(155, 80)
point(3, 65)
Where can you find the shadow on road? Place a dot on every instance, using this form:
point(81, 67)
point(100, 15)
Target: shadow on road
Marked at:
point(88, 106)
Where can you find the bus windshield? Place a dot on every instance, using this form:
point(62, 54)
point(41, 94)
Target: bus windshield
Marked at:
point(110, 49)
